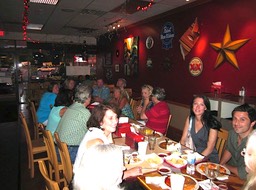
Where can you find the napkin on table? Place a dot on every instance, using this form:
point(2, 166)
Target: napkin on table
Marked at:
point(206, 185)
point(95, 103)
point(124, 147)
point(223, 177)
point(157, 180)
point(123, 120)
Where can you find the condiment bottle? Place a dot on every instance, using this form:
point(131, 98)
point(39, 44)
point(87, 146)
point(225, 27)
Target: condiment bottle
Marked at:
point(191, 160)
point(242, 92)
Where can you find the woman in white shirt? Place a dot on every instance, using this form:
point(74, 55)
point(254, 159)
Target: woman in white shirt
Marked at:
point(101, 125)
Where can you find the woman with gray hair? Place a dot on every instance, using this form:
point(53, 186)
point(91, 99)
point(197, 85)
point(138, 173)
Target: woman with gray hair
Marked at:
point(100, 169)
point(157, 117)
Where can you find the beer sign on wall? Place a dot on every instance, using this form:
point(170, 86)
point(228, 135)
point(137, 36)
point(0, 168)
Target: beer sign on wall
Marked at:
point(195, 66)
point(167, 34)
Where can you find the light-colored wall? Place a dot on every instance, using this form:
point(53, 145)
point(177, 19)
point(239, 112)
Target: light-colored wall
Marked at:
point(179, 114)
point(181, 111)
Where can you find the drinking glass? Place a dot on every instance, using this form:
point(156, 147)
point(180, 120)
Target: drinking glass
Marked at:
point(211, 172)
point(151, 142)
point(127, 156)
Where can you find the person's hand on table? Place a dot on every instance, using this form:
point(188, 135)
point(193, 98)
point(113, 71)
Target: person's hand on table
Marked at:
point(133, 172)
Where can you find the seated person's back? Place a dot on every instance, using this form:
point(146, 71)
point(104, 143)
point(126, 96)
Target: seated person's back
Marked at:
point(47, 102)
point(72, 126)
point(62, 101)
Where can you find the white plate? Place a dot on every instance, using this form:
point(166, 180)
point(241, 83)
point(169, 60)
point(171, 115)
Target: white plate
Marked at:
point(134, 160)
point(198, 168)
point(162, 144)
point(175, 161)
point(199, 157)
point(167, 182)
point(154, 160)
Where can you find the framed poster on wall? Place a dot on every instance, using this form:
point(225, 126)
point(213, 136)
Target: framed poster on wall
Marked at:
point(108, 60)
point(131, 56)
point(117, 68)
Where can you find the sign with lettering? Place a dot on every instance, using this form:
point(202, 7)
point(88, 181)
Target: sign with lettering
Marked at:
point(195, 66)
point(167, 35)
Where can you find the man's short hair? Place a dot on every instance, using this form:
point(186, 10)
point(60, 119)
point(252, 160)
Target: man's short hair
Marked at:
point(246, 108)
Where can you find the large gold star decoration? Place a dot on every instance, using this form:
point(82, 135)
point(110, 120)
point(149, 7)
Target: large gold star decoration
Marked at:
point(227, 49)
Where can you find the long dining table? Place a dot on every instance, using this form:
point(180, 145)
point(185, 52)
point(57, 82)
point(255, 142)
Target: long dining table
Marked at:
point(232, 182)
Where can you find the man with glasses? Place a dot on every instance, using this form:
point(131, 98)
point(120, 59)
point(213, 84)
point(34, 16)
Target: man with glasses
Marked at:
point(243, 121)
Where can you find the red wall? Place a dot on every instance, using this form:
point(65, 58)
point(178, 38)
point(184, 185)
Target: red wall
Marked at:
point(213, 18)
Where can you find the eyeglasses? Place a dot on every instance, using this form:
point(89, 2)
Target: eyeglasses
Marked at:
point(243, 152)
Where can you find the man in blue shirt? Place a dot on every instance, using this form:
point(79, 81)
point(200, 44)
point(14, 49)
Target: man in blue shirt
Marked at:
point(101, 93)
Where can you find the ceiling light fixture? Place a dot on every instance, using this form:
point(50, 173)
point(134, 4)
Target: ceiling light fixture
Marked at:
point(34, 26)
point(49, 2)
point(114, 25)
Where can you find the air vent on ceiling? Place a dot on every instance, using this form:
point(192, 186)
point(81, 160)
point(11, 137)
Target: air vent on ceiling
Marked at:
point(92, 12)
point(82, 30)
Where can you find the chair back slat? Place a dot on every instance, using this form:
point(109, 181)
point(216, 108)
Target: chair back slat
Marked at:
point(221, 141)
point(34, 118)
point(27, 134)
point(34, 147)
point(50, 184)
point(134, 104)
point(168, 124)
point(53, 160)
point(65, 159)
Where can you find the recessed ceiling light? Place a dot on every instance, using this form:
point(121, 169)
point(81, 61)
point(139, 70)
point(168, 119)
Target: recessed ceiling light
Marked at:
point(50, 2)
point(34, 26)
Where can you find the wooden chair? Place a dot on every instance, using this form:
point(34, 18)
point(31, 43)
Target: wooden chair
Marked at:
point(36, 125)
point(50, 184)
point(221, 141)
point(168, 124)
point(55, 167)
point(35, 147)
point(65, 159)
point(134, 104)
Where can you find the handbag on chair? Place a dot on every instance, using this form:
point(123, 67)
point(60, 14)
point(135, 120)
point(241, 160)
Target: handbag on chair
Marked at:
point(189, 141)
